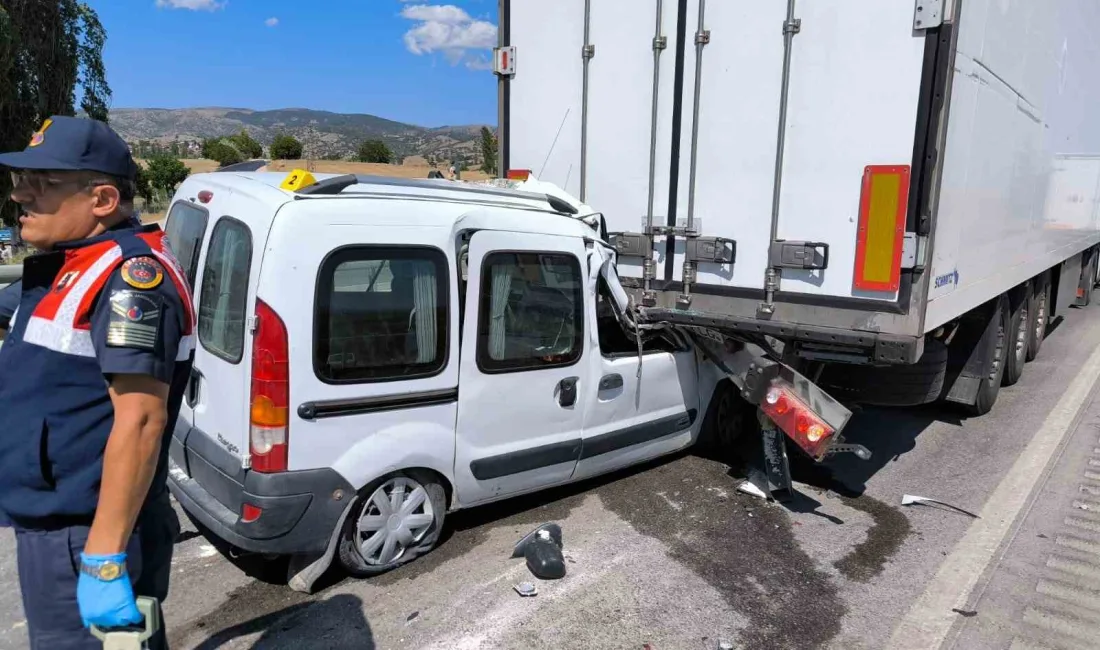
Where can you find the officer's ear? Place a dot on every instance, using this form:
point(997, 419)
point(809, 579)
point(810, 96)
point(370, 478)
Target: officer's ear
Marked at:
point(107, 200)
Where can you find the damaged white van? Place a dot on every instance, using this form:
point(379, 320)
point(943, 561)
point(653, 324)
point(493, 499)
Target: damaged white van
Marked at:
point(374, 353)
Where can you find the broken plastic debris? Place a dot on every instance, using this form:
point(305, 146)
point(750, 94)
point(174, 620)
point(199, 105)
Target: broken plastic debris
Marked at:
point(725, 645)
point(750, 488)
point(526, 589)
point(521, 545)
point(910, 499)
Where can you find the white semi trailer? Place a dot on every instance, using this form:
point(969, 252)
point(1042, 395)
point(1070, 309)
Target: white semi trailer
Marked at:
point(895, 196)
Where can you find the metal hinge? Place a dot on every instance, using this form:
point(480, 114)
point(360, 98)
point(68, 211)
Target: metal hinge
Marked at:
point(251, 323)
point(914, 250)
point(588, 51)
point(660, 43)
point(717, 250)
point(504, 61)
point(629, 244)
point(928, 14)
point(799, 255)
point(792, 26)
point(702, 37)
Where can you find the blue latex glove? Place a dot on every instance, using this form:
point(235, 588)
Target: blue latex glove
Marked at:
point(106, 604)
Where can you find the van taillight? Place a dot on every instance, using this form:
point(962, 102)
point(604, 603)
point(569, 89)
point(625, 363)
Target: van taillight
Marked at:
point(801, 424)
point(270, 398)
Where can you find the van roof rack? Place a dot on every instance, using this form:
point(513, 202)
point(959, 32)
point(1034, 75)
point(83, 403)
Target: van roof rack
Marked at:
point(333, 185)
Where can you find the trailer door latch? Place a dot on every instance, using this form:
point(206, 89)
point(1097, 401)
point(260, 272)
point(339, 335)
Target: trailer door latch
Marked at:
point(799, 255)
point(718, 250)
point(629, 244)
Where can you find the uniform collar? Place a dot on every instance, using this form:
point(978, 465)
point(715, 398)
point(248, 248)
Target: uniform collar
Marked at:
point(128, 227)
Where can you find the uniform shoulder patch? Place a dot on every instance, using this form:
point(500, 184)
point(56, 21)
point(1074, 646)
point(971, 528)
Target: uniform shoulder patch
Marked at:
point(142, 272)
point(135, 320)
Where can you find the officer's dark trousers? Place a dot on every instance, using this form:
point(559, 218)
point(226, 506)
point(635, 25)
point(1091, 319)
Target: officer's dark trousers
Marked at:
point(49, 563)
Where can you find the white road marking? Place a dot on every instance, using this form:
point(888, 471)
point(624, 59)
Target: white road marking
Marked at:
point(929, 620)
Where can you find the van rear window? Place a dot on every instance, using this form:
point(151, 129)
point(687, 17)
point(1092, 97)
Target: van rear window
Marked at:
point(185, 228)
point(224, 296)
point(381, 314)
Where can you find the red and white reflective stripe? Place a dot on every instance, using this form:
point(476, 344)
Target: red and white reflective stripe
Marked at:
point(184, 291)
point(94, 278)
point(59, 337)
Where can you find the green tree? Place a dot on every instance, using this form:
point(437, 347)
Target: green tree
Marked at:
point(286, 147)
point(221, 151)
point(247, 145)
point(144, 185)
point(374, 151)
point(166, 173)
point(47, 49)
point(488, 152)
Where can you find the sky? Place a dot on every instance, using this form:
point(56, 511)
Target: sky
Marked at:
point(405, 60)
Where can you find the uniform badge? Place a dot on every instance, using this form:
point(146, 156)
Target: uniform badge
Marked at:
point(66, 280)
point(135, 320)
point(40, 135)
point(142, 272)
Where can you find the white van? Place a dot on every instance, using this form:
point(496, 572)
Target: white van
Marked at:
point(377, 352)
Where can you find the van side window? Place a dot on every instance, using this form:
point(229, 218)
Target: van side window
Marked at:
point(531, 312)
point(184, 230)
point(381, 314)
point(224, 296)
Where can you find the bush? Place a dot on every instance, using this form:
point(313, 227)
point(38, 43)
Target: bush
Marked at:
point(222, 152)
point(285, 147)
point(165, 173)
point(375, 151)
point(247, 145)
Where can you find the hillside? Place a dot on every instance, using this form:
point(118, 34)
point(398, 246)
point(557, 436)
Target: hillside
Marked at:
point(323, 134)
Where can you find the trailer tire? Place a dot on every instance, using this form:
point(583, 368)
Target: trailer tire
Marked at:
point(1016, 342)
point(1038, 314)
point(990, 384)
point(908, 385)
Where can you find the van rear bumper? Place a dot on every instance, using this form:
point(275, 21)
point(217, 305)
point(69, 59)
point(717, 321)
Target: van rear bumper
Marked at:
point(299, 510)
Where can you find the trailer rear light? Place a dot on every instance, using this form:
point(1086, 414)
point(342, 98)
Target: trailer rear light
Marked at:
point(269, 428)
point(519, 174)
point(796, 419)
point(883, 205)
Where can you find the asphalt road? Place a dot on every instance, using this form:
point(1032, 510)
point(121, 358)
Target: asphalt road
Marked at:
point(672, 556)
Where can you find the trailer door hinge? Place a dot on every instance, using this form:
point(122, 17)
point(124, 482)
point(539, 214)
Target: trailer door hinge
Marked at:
point(660, 42)
point(928, 14)
point(799, 255)
point(792, 26)
point(504, 61)
point(588, 51)
point(913, 250)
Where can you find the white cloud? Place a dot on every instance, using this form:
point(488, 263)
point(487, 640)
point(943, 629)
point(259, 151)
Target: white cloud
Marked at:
point(193, 5)
point(271, 22)
point(451, 31)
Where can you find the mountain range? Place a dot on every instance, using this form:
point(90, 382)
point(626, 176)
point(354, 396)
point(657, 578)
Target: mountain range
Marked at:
point(323, 134)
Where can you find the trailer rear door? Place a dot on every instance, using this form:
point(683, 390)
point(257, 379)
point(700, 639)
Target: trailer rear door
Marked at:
point(848, 138)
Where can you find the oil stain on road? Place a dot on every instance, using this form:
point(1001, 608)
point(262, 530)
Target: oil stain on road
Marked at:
point(742, 547)
point(888, 531)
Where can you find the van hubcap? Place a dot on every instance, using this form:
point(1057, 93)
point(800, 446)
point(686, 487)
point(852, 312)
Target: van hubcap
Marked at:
point(395, 517)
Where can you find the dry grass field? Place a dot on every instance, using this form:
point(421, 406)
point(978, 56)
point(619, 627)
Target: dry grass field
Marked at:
point(416, 168)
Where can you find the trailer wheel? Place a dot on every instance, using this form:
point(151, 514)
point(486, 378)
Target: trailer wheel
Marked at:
point(908, 385)
point(1016, 343)
point(990, 385)
point(1038, 314)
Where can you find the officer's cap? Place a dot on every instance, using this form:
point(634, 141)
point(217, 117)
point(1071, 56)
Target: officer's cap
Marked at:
point(74, 144)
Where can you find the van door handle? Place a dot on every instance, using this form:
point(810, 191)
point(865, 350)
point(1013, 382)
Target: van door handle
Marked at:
point(567, 391)
point(193, 385)
point(611, 382)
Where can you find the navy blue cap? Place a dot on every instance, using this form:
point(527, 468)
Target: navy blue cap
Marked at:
point(74, 144)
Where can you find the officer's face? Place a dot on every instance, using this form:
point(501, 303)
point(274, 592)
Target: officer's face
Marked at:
point(62, 206)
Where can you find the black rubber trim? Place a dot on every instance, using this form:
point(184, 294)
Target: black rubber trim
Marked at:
point(526, 460)
point(359, 406)
point(637, 434)
point(677, 130)
point(505, 127)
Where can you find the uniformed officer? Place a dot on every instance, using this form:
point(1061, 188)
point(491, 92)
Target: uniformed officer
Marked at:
point(97, 353)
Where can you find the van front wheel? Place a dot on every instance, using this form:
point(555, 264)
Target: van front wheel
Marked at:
point(397, 519)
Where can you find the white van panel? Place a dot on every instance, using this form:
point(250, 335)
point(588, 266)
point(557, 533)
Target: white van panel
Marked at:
point(1019, 191)
point(361, 446)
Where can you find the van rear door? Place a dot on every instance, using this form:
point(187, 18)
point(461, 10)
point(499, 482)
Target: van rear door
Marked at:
point(847, 140)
